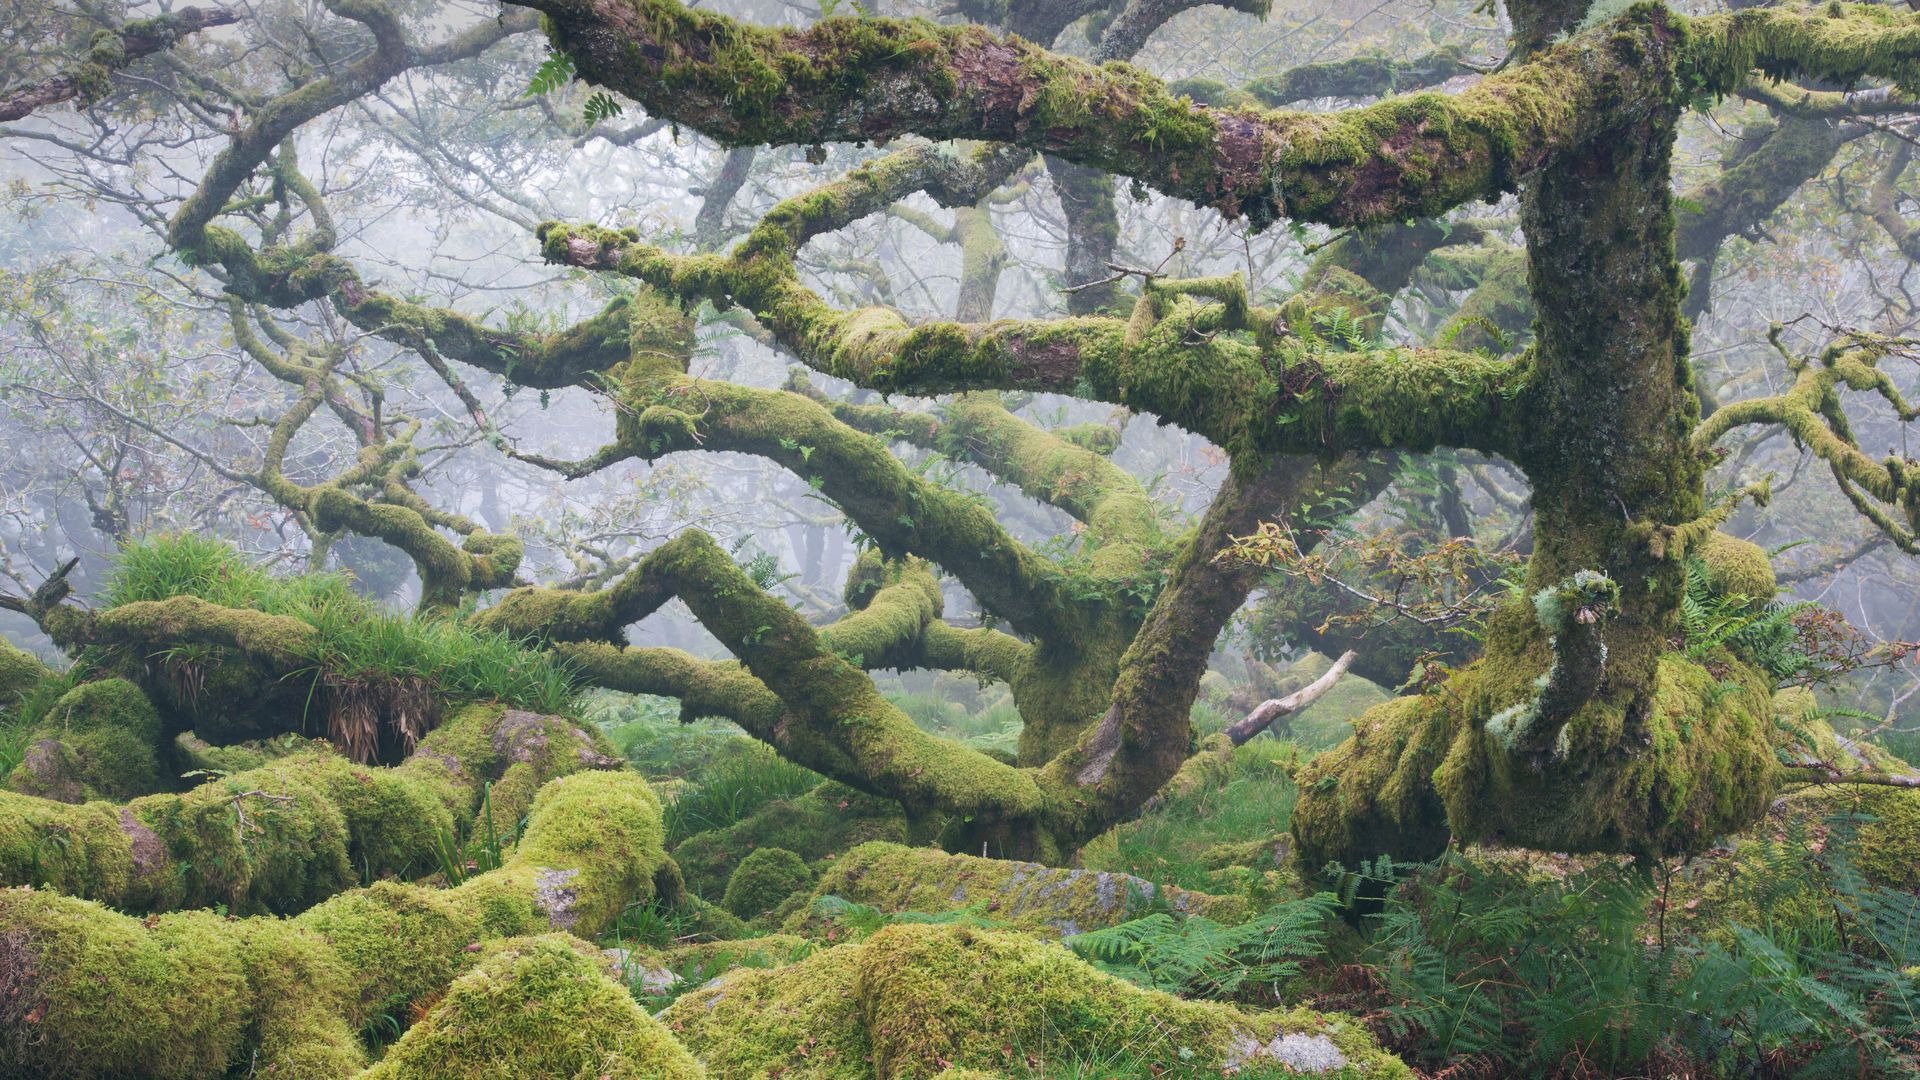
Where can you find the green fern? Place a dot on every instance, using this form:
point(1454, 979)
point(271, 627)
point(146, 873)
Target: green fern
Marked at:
point(1198, 957)
point(554, 72)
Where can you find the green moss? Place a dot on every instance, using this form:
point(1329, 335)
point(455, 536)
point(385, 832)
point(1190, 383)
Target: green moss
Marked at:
point(1737, 567)
point(295, 830)
point(914, 1000)
point(1330, 717)
point(191, 994)
point(100, 740)
point(800, 1022)
point(822, 822)
point(198, 754)
point(1886, 849)
point(1373, 794)
point(1043, 898)
point(542, 1006)
point(1497, 313)
point(1703, 767)
point(19, 671)
point(763, 879)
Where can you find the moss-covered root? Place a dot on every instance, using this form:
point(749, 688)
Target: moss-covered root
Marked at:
point(1670, 772)
point(297, 830)
point(1373, 794)
point(540, 1007)
point(100, 740)
point(88, 992)
point(1045, 899)
point(914, 1000)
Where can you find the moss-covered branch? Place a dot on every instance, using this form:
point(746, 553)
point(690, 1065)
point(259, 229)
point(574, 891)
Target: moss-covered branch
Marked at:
point(196, 993)
point(666, 411)
point(834, 718)
point(1886, 492)
point(1365, 76)
point(110, 51)
point(1237, 393)
point(1054, 467)
point(854, 80)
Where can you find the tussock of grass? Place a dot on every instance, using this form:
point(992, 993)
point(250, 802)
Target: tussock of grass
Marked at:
point(374, 673)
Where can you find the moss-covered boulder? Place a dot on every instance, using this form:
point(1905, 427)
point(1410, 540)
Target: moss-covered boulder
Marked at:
point(538, 1007)
point(86, 991)
point(913, 1001)
point(1046, 899)
point(1886, 827)
point(19, 671)
point(763, 879)
point(825, 820)
point(296, 830)
point(99, 740)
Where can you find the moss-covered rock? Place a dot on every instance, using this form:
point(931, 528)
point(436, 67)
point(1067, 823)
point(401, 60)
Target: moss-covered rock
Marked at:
point(763, 879)
point(1886, 834)
point(1046, 899)
point(197, 754)
point(294, 831)
point(19, 671)
point(89, 992)
point(915, 1000)
point(541, 1006)
point(100, 740)
point(828, 819)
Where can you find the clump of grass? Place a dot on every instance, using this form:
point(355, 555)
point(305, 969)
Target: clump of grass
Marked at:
point(746, 778)
point(166, 566)
point(376, 675)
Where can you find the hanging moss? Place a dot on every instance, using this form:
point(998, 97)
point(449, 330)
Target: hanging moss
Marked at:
point(541, 1006)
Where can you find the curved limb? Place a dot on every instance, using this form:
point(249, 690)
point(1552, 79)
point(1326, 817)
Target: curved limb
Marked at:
point(743, 83)
point(111, 50)
point(1886, 492)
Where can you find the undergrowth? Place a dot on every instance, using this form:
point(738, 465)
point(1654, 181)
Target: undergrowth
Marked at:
point(1204, 839)
point(1535, 972)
